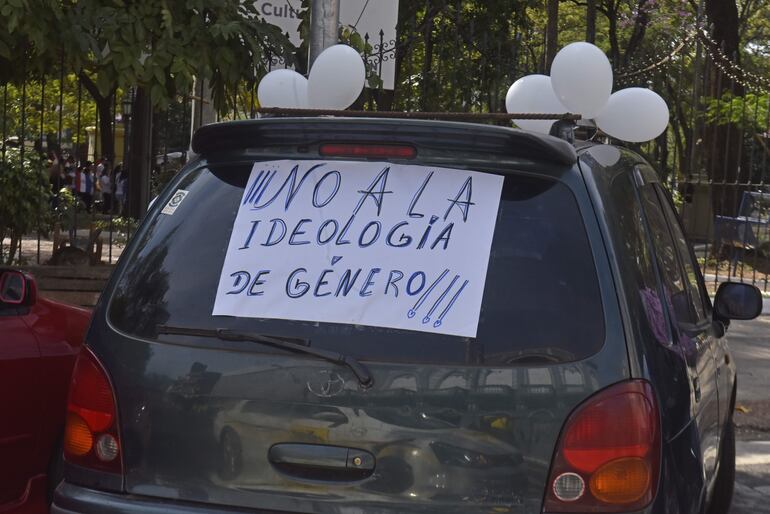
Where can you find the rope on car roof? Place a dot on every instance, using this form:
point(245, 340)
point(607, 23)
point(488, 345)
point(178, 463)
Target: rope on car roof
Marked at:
point(456, 116)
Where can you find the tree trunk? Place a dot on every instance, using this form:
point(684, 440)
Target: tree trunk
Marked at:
point(591, 21)
point(104, 106)
point(427, 63)
point(140, 158)
point(723, 140)
point(614, 45)
point(640, 28)
point(551, 33)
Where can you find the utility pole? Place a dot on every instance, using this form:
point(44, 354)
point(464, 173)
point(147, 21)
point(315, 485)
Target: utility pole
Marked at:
point(324, 27)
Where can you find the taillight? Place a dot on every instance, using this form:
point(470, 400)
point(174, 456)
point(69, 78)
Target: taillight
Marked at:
point(608, 456)
point(91, 430)
point(368, 150)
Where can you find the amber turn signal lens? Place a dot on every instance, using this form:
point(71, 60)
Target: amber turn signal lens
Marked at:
point(621, 481)
point(78, 439)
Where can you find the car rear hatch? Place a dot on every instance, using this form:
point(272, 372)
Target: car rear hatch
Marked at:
point(453, 422)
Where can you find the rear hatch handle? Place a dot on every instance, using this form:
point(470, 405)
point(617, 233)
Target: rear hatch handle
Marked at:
point(359, 370)
point(321, 462)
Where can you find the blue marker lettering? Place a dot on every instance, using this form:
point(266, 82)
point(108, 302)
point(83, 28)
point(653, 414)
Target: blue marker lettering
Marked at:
point(297, 232)
point(262, 183)
point(377, 196)
point(299, 288)
point(465, 205)
point(416, 198)
point(403, 240)
point(346, 282)
point(254, 225)
point(369, 282)
point(344, 232)
point(424, 237)
point(409, 290)
point(395, 276)
point(322, 282)
point(374, 238)
point(443, 236)
point(240, 276)
point(276, 223)
point(257, 282)
point(331, 196)
point(319, 237)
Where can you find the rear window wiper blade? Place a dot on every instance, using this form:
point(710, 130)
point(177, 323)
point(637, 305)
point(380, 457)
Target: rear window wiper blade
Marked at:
point(358, 369)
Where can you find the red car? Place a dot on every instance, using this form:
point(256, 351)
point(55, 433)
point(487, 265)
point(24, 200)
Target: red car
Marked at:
point(39, 340)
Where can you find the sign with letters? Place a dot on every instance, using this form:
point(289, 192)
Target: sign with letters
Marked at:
point(368, 17)
point(363, 243)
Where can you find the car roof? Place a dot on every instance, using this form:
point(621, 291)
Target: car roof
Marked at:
point(237, 135)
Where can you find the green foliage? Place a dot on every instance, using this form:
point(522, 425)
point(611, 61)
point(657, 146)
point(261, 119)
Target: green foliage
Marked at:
point(40, 109)
point(749, 111)
point(159, 45)
point(350, 36)
point(122, 227)
point(65, 213)
point(24, 195)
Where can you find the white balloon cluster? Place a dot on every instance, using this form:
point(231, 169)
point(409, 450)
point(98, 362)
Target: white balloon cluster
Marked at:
point(335, 81)
point(581, 83)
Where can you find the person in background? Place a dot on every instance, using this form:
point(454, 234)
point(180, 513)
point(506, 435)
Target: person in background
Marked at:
point(120, 192)
point(55, 178)
point(90, 185)
point(70, 173)
point(105, 184)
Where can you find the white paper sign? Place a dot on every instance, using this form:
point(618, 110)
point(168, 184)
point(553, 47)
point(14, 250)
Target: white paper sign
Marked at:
point(365, 243)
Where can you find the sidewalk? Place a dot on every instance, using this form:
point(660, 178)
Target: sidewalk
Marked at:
point(750, 344)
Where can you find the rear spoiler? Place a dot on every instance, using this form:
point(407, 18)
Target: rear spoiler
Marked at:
point(436, 135)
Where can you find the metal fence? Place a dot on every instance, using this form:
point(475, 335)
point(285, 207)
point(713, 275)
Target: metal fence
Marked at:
point(64, 184)
point(714, 156)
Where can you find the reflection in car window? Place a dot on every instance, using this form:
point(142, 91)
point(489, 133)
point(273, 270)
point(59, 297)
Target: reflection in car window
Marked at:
point(541, 299)
point(668, 261)
point(638, 272)
point(697, 293)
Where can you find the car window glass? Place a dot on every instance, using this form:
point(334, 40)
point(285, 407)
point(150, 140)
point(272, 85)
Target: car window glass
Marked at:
point(692, 274)
point(636, 260)
point(674, 284)
point(541, 301)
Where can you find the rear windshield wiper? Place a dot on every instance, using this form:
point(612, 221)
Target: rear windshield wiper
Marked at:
point(358, 369)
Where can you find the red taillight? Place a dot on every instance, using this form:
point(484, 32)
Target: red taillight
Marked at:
point(91, 430)
point(608, 457)
point(368, 150)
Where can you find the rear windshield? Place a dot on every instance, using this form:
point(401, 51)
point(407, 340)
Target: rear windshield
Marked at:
point(541, 301)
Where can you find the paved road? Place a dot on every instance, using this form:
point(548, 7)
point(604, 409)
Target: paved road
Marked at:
point(750, 343)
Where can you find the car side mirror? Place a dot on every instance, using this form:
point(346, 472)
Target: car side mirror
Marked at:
point(737, 301)
point(16, 288)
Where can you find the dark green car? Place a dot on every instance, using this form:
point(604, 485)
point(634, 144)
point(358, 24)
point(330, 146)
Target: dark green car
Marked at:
point(498, 322)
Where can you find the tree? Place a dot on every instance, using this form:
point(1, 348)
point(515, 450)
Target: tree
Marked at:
point(551, 32)
point(156, 46)
point(24, 194)
point(724, 141)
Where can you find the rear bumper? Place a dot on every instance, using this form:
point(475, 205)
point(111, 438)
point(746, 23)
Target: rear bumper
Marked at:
point(73, 499)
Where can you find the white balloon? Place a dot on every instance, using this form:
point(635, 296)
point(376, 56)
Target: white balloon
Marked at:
point(283, 88)
point(634, 115)
point(336, 78)
point(533, 94)
point(582, 78)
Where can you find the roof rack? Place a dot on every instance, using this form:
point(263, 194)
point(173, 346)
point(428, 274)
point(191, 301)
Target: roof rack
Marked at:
point(448, 116)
